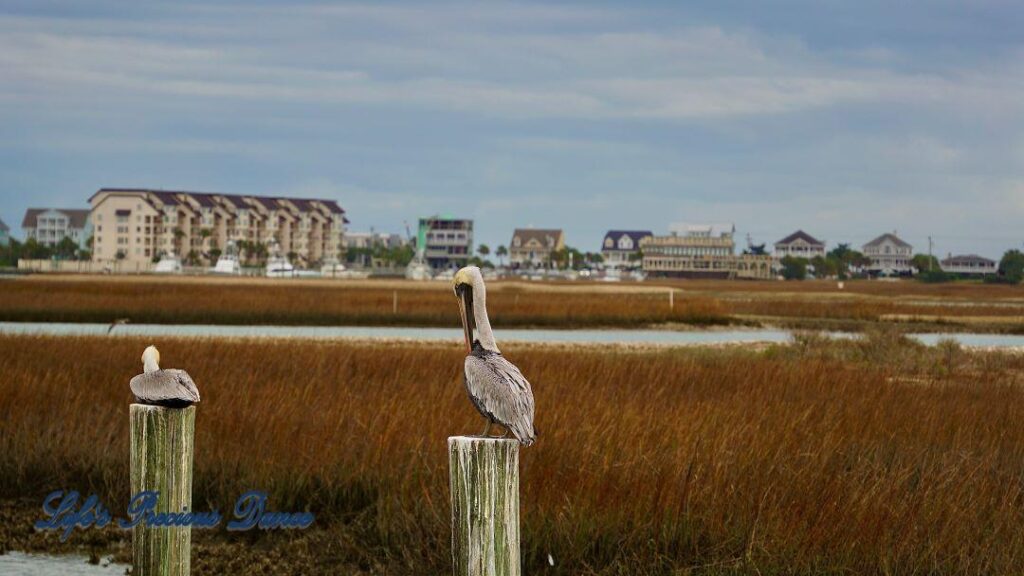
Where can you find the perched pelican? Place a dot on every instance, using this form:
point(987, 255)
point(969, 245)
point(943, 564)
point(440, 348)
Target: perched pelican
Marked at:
point(172, 388)
point(495, 386)
point(116, 323)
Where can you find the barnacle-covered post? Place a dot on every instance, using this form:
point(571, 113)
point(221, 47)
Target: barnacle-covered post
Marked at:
point(161, 461)
point(484, 477)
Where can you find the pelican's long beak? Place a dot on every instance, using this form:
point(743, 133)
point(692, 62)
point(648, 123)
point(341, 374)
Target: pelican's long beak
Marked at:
point(465, 296)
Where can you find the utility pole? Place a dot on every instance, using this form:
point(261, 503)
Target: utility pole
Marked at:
point(930, 257)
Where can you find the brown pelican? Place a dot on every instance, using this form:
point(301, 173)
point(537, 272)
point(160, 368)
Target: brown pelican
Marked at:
point(172, 388)
point(495, 386)
point(116, 323)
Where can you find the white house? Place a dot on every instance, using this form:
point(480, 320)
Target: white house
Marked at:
point(48, 226)
point(968, 264)
point(890, 256)
point(621, 248)
point(799, 244)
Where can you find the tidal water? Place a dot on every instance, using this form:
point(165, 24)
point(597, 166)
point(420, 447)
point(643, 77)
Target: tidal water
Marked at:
point(21, 564)
point(659, 337)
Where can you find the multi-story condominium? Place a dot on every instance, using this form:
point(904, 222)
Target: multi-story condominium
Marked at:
point(139, 225)
point(799, 244)
point(5, 234)
point(621, 248)
point(703, 251)
point(968, 264)
point(48, 226)
point(448, 242)
point(889, 255)
point(532, 247)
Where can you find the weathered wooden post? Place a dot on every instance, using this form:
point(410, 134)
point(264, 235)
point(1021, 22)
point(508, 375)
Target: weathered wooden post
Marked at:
point(394, 303)
point(671, 299)
point(484, 478)
point(161, 461)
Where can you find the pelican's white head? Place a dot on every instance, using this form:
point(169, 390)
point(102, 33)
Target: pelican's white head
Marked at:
point(468, 284)
point(470, 275)
point(151, 359)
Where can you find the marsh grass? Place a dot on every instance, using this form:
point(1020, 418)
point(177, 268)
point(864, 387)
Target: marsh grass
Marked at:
point(814, 305)
point(328, 304)
point(816, 457)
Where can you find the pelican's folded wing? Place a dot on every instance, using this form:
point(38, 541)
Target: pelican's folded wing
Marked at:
point(500, 389)
point(165, 386)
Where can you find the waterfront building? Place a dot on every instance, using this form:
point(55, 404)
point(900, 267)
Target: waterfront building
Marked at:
point(621, 248)
point(701, 251)
point(889, 255)
point(968, 265)
point(532, 247)
point(799, 244)
point(370, 239)
point(49, 226)
point(447, 241)
point(139, 225)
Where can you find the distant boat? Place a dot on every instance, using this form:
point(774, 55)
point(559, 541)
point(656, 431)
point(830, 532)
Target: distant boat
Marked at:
point(332, 268)
point(279, 267)
point(228, 263)
point(168, 264)
point(446, 275)
point(417, 270)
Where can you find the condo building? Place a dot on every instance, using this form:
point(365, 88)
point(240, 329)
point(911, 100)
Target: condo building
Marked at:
point(139, 225)
point(447, 241)
point(701, 251)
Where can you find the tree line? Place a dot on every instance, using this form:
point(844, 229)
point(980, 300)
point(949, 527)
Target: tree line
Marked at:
point(844, 262)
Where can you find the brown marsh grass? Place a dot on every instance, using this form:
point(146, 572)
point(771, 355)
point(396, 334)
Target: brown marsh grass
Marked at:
point(819, 457)
point(259, 301)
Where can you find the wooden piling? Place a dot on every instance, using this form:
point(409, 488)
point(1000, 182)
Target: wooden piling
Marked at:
point(671, 299)
point(394, 302)
point(161, 461)
point(484, 479)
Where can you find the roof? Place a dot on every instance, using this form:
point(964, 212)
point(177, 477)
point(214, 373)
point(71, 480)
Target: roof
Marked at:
point(711, 229)
point(539, 234)
point(635, 235)
point(891, 237)
point(967, 258)
point(333, 206)
point(207, 199)
point(77, 218)
point(268, 203)
point(236, 200)
point(204, 200)
point(800, 235)
point(3, 227)
point(301, 204)
point(167, 198)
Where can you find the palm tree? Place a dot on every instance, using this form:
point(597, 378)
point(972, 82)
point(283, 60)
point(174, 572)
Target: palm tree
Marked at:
point(501, 253)
point(484, 250)
point(178, 235)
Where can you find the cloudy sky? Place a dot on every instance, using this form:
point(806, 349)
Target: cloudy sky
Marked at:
point(846, 119)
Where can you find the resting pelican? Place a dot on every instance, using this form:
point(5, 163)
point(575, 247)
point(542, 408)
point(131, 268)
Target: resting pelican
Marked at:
point(172, 388)
point(495, 386)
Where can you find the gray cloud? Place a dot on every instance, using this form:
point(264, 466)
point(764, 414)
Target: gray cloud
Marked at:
point(556, 115)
